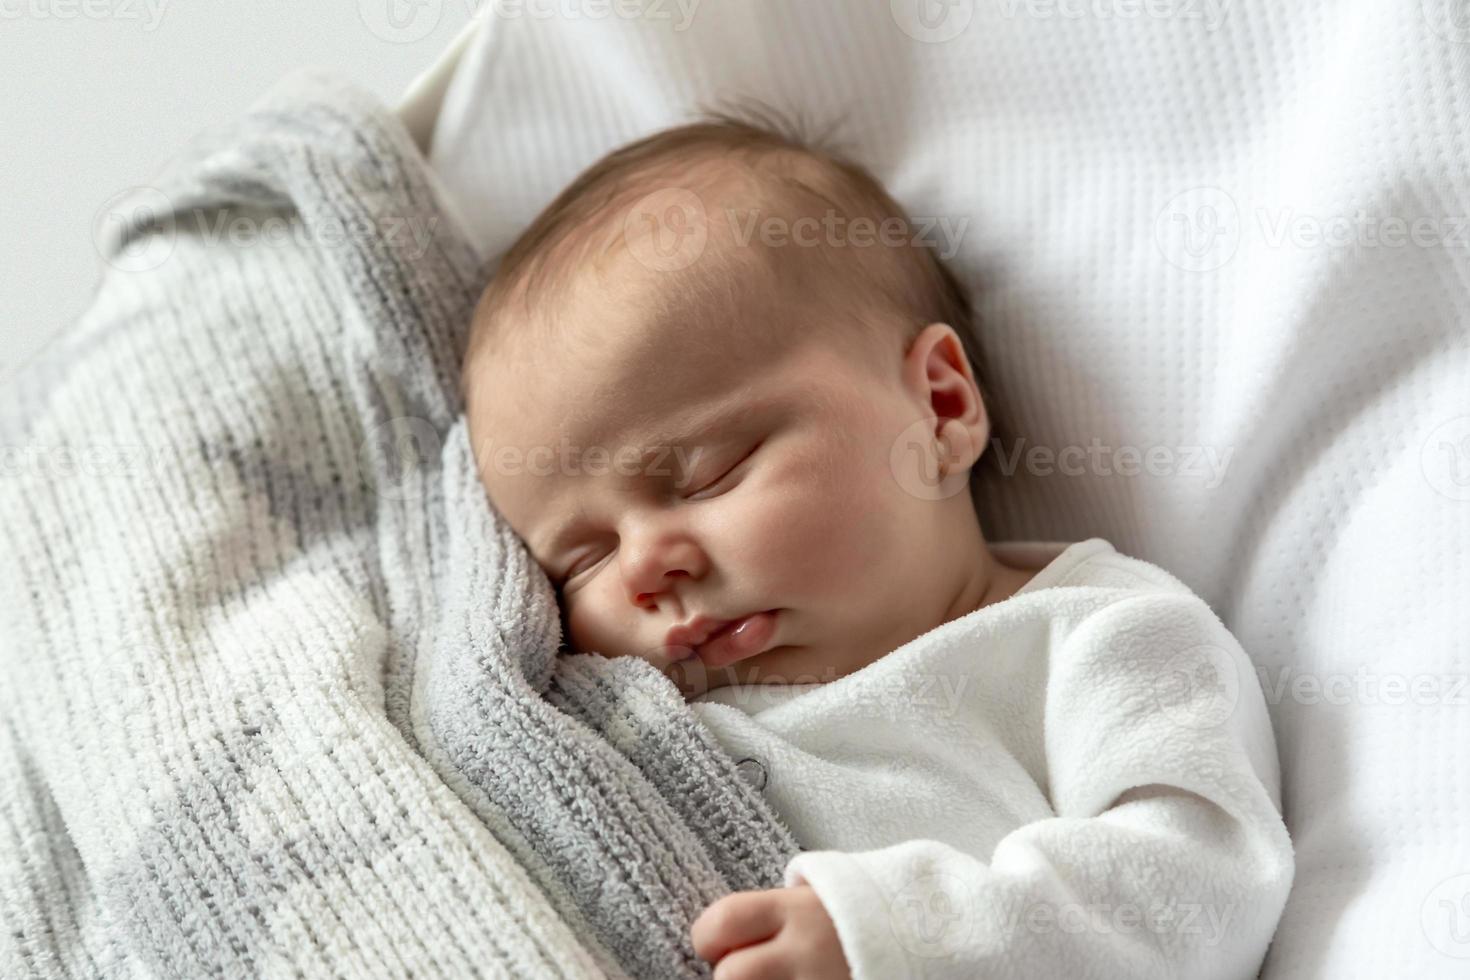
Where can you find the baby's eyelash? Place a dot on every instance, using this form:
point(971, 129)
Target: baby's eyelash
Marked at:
point(572, 573)
point(731, 469)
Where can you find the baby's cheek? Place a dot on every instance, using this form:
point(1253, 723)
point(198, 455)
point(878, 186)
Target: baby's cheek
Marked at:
point(587, 623)
point(819, 527)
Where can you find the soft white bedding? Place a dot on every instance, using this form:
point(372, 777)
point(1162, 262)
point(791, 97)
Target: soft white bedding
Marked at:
point(1221, 254)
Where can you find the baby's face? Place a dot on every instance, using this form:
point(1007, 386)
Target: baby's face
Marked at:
point(674, 473)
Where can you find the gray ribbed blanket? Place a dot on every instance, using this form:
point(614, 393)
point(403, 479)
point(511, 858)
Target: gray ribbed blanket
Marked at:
point(282, 694)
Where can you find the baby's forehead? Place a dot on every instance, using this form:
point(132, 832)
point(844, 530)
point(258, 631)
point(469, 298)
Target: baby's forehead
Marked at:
point(625, 357)
point(638, 327)
point(638, 348)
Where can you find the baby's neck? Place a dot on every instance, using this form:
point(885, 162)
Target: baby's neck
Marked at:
point(992, 581)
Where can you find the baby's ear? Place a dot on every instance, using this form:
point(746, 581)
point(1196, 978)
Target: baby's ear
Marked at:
point(939, 371)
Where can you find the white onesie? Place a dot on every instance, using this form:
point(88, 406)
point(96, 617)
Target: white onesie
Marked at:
point(1079, 781)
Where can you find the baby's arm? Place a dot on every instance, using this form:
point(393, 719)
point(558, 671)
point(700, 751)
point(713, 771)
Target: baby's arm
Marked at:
point(1167, 856)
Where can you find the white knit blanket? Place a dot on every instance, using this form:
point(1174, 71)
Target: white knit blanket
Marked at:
point(281, 689)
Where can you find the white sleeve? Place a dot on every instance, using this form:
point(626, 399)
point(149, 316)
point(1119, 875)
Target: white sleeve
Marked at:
point(1167, 856)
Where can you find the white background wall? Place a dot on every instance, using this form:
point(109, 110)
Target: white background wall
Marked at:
point(96, 94)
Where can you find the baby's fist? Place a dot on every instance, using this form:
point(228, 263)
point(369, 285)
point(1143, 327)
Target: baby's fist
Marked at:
point(776, 934)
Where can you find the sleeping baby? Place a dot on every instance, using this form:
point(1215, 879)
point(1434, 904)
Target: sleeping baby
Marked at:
point(746, 397)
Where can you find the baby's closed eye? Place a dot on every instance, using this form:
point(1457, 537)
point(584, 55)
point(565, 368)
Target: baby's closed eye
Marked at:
point(727, 472)
point(714, 487)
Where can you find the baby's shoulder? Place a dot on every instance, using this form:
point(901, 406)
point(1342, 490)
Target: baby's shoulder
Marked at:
point(1108, 590)
point(1124, 606)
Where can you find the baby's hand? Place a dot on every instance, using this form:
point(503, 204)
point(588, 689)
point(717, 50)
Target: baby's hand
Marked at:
point(776, 933)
